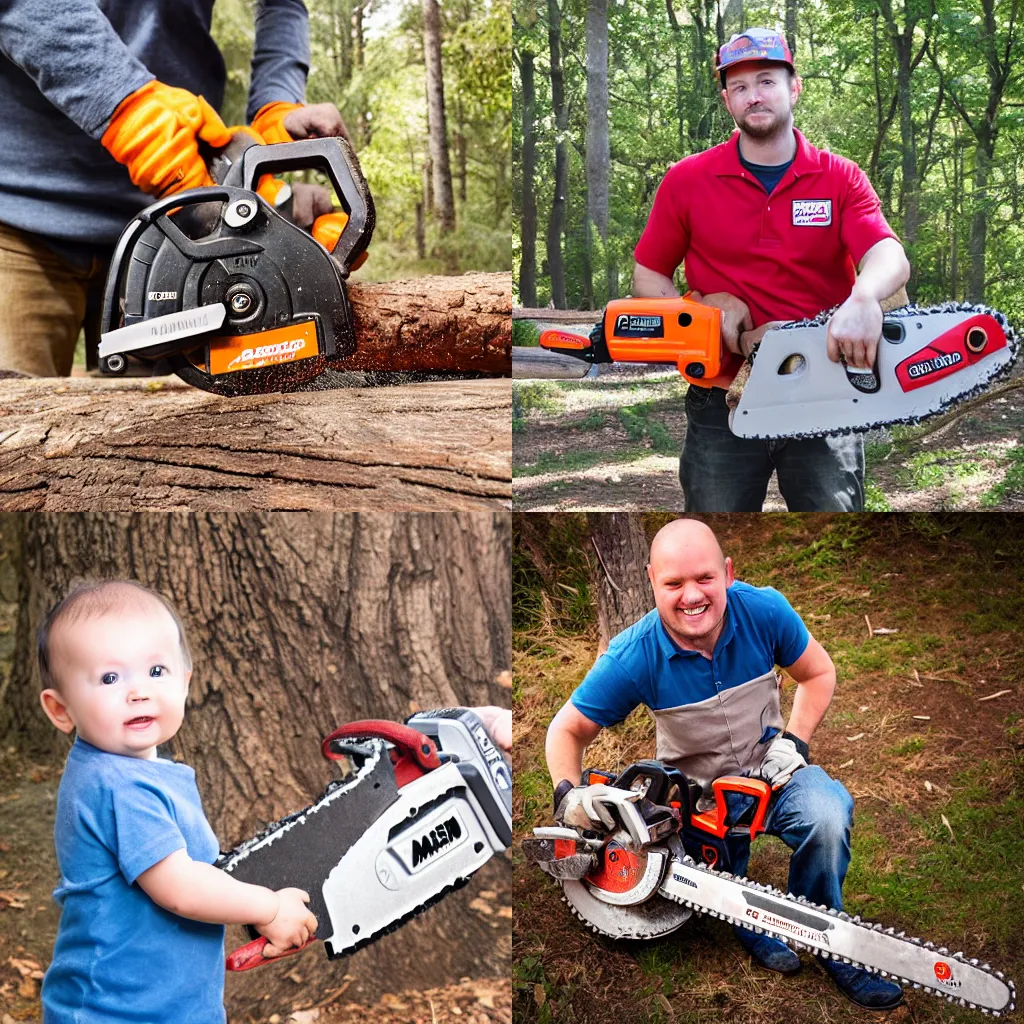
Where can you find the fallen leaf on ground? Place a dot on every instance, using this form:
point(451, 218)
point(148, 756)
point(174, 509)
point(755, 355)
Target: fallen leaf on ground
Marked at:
point(992, 696)
point(945, 821)
point(859, 736)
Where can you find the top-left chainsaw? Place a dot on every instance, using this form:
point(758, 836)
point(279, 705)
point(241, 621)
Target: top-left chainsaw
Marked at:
point(222, 285)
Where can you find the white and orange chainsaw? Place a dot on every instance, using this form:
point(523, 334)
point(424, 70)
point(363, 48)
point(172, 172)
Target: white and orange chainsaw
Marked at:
point(663, 860)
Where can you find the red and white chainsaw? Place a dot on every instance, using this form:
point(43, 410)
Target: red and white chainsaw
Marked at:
point(665, 860)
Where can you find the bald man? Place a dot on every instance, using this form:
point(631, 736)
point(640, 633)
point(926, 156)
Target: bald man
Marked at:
point(703, 661)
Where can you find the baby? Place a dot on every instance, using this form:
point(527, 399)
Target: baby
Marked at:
point(143, 909)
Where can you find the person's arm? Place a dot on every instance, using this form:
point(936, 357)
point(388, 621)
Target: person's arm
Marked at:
point(569, 735)
point(498, 723)
point(649, 284)
point(280, 56)
point(202, 892)
point(815, 676)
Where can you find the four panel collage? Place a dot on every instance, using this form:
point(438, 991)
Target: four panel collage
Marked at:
point(510, 511)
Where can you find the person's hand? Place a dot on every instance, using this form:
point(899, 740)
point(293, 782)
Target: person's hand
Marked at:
point(735, 317)
point(748, 339)
point(853, 332)
point(781, 760)
point(580, 807)
point(292, 926)
point(155, 132)
point(498, 723)
point(287, 122)
point(309, 202)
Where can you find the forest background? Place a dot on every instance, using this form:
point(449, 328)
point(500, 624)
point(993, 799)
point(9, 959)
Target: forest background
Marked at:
point(368, 58)
point(927, 96)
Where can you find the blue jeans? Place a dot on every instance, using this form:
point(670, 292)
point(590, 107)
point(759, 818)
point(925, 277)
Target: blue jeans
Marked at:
point(721, 472)
point(812, 815)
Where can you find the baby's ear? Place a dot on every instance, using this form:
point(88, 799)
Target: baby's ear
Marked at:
point(56, 710)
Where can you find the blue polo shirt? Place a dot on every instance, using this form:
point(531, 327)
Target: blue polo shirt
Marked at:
point(643, 665)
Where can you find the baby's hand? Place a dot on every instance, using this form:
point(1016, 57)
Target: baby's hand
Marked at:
point(292, 926)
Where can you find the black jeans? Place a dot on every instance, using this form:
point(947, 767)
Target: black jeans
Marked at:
point(721, 472)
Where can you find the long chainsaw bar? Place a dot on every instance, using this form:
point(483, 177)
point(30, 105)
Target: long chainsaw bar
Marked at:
point(928, 360)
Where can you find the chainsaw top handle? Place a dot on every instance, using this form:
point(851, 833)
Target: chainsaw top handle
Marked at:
point(715, 820)
point(413, 755)
point(337, 159)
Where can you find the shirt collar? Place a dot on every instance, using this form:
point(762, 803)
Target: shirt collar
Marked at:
point(670, 648)
point(805, 162)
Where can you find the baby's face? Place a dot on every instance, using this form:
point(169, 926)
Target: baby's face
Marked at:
point(122, 677)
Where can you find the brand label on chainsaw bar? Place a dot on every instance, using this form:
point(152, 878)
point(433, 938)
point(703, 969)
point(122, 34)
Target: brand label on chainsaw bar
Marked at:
point(268, 348)
point(934, 364)
point(428, 842)
point(815, 213)
point(628, 325)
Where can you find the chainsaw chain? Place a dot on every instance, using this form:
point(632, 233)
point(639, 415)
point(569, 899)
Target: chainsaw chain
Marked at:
point(911, 310)
point(842, 915)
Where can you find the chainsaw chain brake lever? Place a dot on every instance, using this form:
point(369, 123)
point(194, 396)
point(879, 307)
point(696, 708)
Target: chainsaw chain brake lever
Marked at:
point(246, 957)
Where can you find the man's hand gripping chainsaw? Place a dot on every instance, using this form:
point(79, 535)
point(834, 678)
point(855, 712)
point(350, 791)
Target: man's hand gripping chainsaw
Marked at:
point(664, 859)
point(428, 804)
point(927, 361)
point(220, 282)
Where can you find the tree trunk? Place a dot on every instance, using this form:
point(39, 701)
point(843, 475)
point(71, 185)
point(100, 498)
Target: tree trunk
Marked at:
point(528, 260)
point(444, 201)
point(791, 11)
point(979, 223)
point(556, 222)
point(298, 624)
point(421, 234)
point(623, 591)
point(88, 444)
point(598, 158)
point(461, 149)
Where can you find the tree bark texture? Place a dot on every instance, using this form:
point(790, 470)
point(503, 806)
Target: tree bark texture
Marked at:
point(528, 261)
point(559, 201)
point(433, 323)
point(444, 201)
point(299, 623)
point(81, 445)
point(623, 590)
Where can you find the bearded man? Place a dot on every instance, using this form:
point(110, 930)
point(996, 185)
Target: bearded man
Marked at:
point(769, 230)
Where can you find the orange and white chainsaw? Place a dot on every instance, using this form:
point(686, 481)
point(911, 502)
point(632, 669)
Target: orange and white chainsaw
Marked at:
point(927, 361)
point(662, 859)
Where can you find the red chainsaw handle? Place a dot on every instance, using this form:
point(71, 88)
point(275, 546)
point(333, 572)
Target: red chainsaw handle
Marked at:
point(714, 821)
point(246, 957)
point(408, 742)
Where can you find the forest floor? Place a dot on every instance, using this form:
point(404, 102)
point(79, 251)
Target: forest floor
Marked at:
point(613, 442)
point(933, 759)
point(29, 917)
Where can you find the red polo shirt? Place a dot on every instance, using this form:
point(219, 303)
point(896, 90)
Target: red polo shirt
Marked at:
point(788, 255)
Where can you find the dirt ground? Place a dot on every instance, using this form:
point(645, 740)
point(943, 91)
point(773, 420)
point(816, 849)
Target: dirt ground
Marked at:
point(29, 917)
point(934, 761)
point(575, 449)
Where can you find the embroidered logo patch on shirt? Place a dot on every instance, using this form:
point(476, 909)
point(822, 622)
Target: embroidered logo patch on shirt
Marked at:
point(812, 212)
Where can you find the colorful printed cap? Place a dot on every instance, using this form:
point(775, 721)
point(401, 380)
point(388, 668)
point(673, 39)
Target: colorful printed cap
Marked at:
point(754, 44)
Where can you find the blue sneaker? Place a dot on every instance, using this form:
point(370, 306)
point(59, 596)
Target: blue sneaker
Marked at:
point(771, 954)
point(862, 987)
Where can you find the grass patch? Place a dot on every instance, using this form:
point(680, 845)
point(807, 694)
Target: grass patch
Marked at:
point(539, 395)
point(571, 462)
point(594, 420)
point(642, 427)
point(933, 468)
point(525, 333)
point(912, 745)
point(1012, 482)
point(875, 499)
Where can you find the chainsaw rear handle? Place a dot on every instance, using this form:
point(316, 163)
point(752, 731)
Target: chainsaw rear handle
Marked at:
point(337, 159)
point(714, 821)
point(246, 957)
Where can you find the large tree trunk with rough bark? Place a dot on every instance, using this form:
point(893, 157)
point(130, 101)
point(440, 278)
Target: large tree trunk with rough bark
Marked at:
point(299, 623)
point(117, 446)
point(623, 590)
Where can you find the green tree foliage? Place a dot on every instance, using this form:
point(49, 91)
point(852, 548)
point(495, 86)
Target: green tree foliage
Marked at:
point(962, 122)
point(367, 59)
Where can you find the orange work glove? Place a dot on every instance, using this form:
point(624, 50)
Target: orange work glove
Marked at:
point(269, 121)
point(155, 133)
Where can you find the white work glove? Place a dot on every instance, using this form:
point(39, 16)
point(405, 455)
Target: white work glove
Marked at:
point(781, 760)
point(580, 807)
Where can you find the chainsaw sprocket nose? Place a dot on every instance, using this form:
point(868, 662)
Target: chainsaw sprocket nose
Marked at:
point(223, 286)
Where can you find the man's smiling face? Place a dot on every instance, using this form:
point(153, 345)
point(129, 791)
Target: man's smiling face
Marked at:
point(690, 577)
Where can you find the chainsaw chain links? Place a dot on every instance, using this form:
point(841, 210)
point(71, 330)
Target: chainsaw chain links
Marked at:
point(842, 915)
point(907, 312)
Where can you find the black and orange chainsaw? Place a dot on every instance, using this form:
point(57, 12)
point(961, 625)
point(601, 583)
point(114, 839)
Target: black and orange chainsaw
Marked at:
point(664, 859)
point(927, 361)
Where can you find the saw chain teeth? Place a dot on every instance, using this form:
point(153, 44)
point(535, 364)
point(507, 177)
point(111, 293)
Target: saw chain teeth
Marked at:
point(856, 919)
point(904, 312)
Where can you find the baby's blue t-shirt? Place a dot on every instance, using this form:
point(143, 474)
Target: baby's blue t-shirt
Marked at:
point(120, 957)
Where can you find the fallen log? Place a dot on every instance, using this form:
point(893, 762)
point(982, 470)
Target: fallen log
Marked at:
point(158, 444)
point(433, 323)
